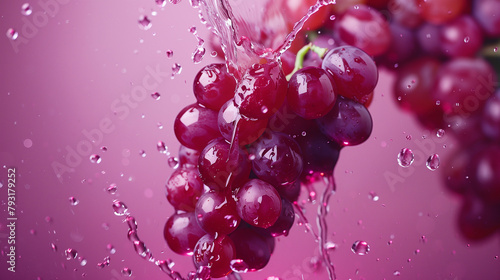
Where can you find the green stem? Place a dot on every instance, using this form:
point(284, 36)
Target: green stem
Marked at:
point(301, 54)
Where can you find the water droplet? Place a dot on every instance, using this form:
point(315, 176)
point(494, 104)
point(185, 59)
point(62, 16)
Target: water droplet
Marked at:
point(495, 49)
point(330, 246)
point(160, 125)
point(396, 273)
point(416, 252)
point(315, 263)
point(173, 162)
point(360, 248)
point(95, 158)
point(48, 219)
point(111, 248)
point(12, 34)
point(32, 232)
point(332, 17)
point(405, 157)
point(198, 54)
point(120, 208)
point(104, 148)
point(408, 137)
point(53, 246)
point(440, 133)
point(213, 54)
point(169, 53)
point(433, 162)
point(174, 1)
point(83, 261)
point(104, 263)
point(423, 238)
point(126, 272)
point(176, 69)
point(142, 153)
point(26, 9)
point(132, 223)
point(194, 3)
point(466, 39)
point(144, 23)
point(273, 278)
point(142, 250)
point(238, 266)
point(373, 196)
point(389, 242)
point(112, 189)
point(73, 201)
point(162, 148)
point(193, 30)
point(155, 95)
point(70, 253)
point(161, 3)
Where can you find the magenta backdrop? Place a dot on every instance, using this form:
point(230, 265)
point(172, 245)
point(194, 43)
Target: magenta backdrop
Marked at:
point(79, 77)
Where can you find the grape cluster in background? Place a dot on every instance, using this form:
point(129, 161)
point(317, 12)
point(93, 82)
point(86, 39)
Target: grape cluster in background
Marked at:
point(249, 146)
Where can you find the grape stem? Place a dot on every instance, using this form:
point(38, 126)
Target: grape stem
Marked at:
point(301, 54)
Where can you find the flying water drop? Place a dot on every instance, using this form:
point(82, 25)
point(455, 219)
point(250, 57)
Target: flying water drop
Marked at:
point(433, 162)
point(360, 248)
point(26, 9)
point(405, 157)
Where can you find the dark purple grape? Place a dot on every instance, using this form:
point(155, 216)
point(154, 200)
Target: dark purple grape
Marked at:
point(261, 91)
point(195, 126)
point(320, 154)
point(485, 12)
point(218, 170)
point(485, 172)
point(188, 157)
point(277, 158)
point(428, 36)
point(291, 191)
point(216, 252)
point(463, 85)
point(216, 213)
point(349, 123)
point(285, 221)
point(251, 248)
point(403, 46)
point(490, 117)
point(286, 121)
point(354, 72)
point(184, 187)
point(258, 203)
point(461, 37)
point(213, 86)
point(182, 232)
point(311, 92)
point(477, 219)
point(247, 130)
point(364, 27)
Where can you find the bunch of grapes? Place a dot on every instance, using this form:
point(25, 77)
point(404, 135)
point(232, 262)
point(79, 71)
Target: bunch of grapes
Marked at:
point(248, 145)
point(444, 54)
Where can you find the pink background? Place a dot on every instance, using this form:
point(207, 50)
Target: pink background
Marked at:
point(64, 77)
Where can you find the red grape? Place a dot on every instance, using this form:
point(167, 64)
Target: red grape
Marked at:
point(251, 247)
point(182, 232)
point(184, 187)
point(213, 86)
point(215, 252)
point(216, 213)
point(195, 126)
point(461, 37)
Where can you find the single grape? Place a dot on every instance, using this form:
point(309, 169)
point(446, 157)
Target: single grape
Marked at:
point(277, 158)
point(218, 170)
point(251, 247)
point(461, 37)
point(247, 130)
point(486, 14)
point(216, 213)
point(188, 157)
point(320, 154)
point(477, 219)
point(216, 252)
point(349, 123)
point(403, 47)
point(261, 91)
point(258, 203)
point(311, 92)
point(457, 175)
point(414, 84)
point(405, 12)
point(195, 126)
point(182, 232)
point(291, 191)
point(364, 27)
point(184, 187)
point(428, 36)
point(354, 72)
point(463, 85)
point(490, 117)
point(485, 172)
point(441, 11)
point(285, 221)
point(213, 86)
